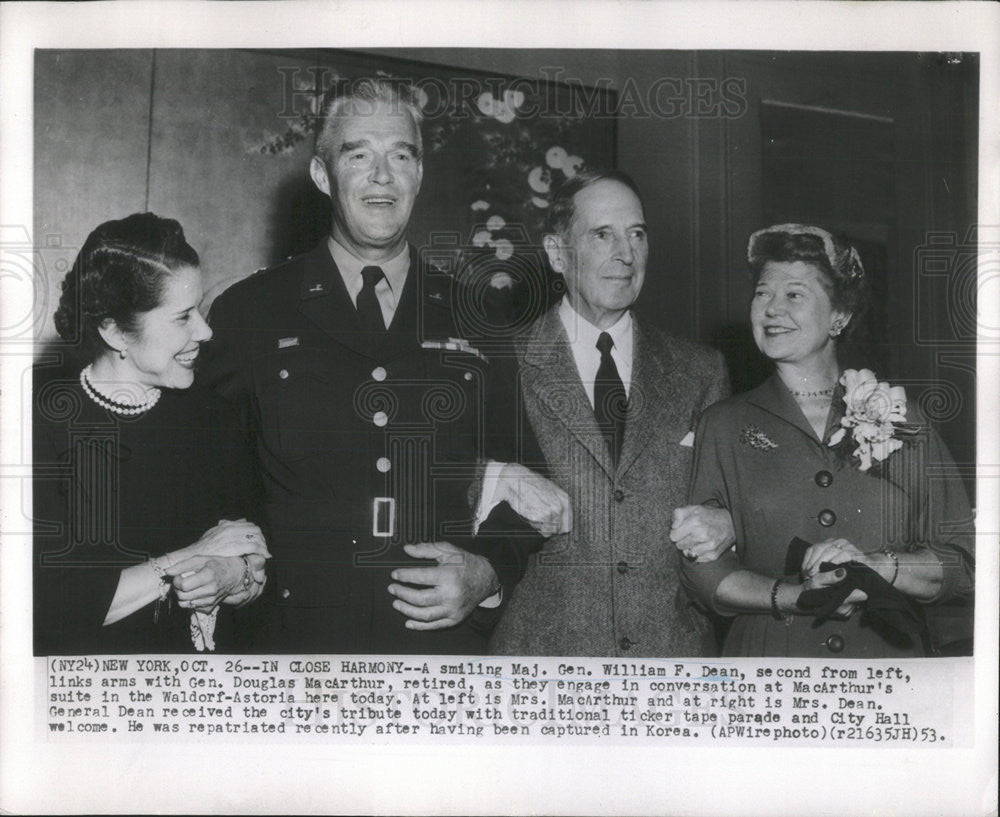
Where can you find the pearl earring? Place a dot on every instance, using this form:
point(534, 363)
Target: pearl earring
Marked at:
point(121, 352)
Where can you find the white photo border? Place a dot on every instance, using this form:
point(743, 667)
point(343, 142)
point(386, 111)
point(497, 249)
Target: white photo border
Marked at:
point(41, 777)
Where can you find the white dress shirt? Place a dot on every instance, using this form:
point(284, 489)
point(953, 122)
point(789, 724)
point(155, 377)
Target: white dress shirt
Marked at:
point(388, 290)
point(583, 337)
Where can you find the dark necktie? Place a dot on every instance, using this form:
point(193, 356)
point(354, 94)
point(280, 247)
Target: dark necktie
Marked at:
point(610, 401)
point(369, 310)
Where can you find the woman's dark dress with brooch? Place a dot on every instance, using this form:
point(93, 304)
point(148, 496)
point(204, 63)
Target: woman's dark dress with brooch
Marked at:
point(113, 491)
point(757, 456)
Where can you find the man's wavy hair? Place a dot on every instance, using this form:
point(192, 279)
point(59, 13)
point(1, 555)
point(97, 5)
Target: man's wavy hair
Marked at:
point(562, 208)
point(369, 92)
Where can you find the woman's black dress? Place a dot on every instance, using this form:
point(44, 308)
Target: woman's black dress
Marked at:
point(113, 491)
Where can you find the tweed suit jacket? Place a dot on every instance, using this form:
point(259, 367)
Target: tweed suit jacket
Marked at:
point(611, 585)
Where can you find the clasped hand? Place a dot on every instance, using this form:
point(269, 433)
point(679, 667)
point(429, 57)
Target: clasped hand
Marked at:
point(833, 551)
point(539, 500)
point(450, 590)
point(212, 570)
point(701, 533)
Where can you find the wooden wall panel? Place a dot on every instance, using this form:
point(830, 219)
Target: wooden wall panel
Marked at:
point(91, 114)
point(241, 209)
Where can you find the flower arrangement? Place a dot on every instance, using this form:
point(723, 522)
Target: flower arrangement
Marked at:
point(875, 417)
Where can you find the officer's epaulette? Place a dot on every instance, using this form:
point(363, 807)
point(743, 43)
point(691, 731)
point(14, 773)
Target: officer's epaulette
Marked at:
point(279, 264)
point(261, 270)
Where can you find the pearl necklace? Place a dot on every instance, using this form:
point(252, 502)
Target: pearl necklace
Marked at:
point(820, 393)
point(114, 406)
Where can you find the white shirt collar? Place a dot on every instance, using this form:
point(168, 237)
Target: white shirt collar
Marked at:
point(583, 332)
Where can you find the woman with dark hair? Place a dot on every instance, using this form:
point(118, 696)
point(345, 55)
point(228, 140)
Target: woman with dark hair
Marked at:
point(845, 546)
point(134, 468)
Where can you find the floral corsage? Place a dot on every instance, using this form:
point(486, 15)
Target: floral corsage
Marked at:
point(875, 416)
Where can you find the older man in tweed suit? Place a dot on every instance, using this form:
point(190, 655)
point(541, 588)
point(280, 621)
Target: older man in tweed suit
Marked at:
point(612, 402)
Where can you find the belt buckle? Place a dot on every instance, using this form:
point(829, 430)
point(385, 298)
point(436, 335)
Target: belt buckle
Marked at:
point(383, 517)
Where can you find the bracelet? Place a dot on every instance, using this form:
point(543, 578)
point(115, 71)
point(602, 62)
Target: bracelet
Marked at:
point(776, 614)
point(245, 581)
point(895, 564)
point(161, 574)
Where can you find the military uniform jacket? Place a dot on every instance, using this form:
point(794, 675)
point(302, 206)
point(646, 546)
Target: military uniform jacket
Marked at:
point(611, 585)
point(364, 443)
point(757, 456)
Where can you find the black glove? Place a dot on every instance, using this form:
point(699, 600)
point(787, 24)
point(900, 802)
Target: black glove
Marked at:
point(891, 612)
point(886, 608)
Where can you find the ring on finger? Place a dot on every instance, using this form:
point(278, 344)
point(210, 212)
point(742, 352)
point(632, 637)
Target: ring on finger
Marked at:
point(689, 555)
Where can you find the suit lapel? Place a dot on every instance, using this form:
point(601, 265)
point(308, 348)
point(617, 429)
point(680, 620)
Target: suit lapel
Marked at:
point(550, 377)
point(773, 397)
point(653, 401)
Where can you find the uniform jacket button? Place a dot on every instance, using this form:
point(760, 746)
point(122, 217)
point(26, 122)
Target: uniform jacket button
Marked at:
point(285, 593)
point(383, 464)
point(824, 479)
point(619, 495)
point(835, 643)
point(378, 373)
point(623, 567)
point(625, 643)
point(827, 517)
point(283, 374)
point(380, 418)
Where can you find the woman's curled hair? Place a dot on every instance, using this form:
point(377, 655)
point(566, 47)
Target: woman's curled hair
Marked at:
point(119, 274)
point(842, 274)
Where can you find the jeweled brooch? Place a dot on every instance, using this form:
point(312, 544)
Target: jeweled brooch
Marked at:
point(755, 438)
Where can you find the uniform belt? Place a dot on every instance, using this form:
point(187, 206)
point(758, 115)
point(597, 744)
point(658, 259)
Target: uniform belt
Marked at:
point(319, 519)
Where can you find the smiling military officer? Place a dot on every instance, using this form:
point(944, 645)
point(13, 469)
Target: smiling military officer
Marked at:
point(366, 409)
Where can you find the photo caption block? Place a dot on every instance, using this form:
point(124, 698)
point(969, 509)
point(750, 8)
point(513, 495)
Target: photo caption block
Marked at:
point(374, 699)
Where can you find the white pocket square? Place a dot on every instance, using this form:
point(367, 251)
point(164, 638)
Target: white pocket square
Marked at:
point(688, 441)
